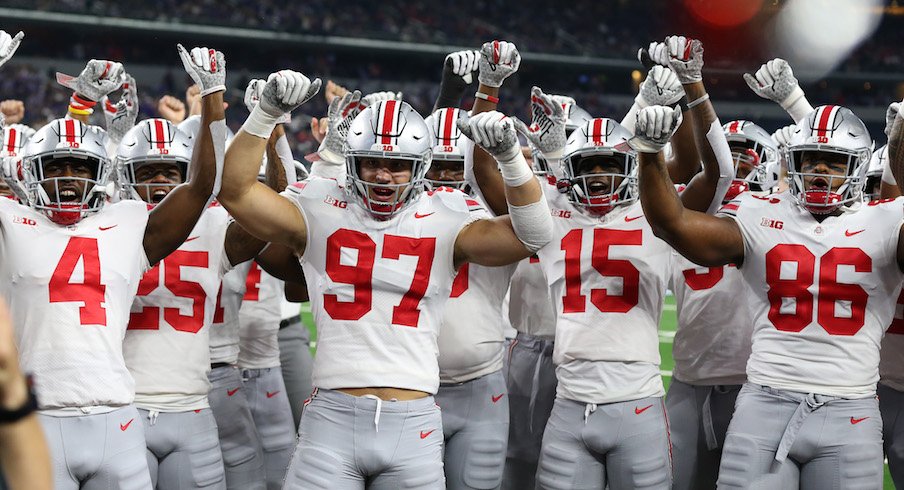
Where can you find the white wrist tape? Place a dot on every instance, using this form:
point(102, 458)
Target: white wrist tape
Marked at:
point(514, 168)
point(259, 123)
point(532, 224)
point(796, 105)
point(214, 89)
point(716, 138)
point(285, 157)
point(218, 137)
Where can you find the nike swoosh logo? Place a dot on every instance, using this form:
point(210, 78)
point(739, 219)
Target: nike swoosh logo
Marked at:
point(638, 411)
point(857, 421)
point(192, 238)
point(849, 233)
point(496, 398)
point(271, 395)
point(419, 215)
point(125, 426)
point(105, 228)
point(629, 219)
point(426, 433)
point(231, 392)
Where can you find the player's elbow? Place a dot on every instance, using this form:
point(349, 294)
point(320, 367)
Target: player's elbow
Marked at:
point(532, 224)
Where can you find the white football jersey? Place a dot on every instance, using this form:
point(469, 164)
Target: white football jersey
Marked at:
point(259, 319)
point(69, 289)
point(472, 338)
point(712, 342)
point(891, 357)
point(531, 309)
point(166, 346)
point(224, 332)
point(379, 288)
point(607, 276)
point(822, 294)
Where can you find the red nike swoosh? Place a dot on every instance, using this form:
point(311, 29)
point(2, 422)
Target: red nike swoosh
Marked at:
point(638, 411)
point(192, 238)
point(497, 397)
point(849, 233)
point(426, 433)
point(105, 228)
point(125, 426)
point(857, 421)
point(419, 215)
point(629, 219)
point(271, 395)
point(231, 392)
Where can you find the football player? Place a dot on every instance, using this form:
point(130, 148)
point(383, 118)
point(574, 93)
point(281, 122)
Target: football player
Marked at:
point(815, 352)
point(384, 254)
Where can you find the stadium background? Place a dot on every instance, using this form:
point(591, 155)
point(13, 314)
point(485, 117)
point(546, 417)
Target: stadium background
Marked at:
point(585, 49)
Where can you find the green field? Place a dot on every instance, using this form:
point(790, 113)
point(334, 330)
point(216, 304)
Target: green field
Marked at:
point(666, 336)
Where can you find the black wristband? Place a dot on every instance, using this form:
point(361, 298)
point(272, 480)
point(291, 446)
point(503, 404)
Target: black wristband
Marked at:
point(27, 408)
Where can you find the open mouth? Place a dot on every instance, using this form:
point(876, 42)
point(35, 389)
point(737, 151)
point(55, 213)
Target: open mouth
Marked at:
point(157, 195)
point(68, 194)
point(596, 188)
point(819, 184)
point(383, 193)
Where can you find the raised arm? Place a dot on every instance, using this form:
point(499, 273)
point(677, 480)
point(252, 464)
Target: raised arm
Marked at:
point(508, 239)
point(707, 189)
point(704, 239)
point(458, 74)
point(171, 221)
point(259, 209)
point(775, 81)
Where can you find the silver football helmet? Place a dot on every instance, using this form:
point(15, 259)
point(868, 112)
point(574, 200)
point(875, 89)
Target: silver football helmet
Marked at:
point(15, 137)
point(151, 141)
point(448, 144)
point(829, 129)
point(388, 129)
point(57, 197)
point(877, 163)
point(754, 152)
point(604, 142)
point(192, 124)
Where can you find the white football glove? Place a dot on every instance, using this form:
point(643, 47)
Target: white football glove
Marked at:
point(495, 133)
point(464, 63)
point(659, 53)
point(547, 128)
point(890, 115)
point(654, 128)
point(782, 136)
point(372, 98)
point(661, 87)
point(207, 67)
point(341, 113)
point(498, 60)
point(775, 81)
point(121, 117)
point(99, 78)
point(9, 45)
point(253, 97)
point(686, 58)
point(285, 90)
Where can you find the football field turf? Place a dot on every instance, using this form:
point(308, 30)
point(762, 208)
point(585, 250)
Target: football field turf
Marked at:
point(666, 336)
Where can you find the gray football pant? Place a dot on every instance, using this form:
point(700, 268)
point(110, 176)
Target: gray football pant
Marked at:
point(624, 445)
point(699, 417)
point(780, 439)
point(243, 457)
point(183, 450)
point(297, 363)
point(347, 442)
point(475, 429)
point(531, 383)
point(272, 416)
point(891, 405)
point(98, 452)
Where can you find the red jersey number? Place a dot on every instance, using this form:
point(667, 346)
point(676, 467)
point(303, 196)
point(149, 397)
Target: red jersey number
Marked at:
point(149, 317)
point(90, 292)
point(574, 301)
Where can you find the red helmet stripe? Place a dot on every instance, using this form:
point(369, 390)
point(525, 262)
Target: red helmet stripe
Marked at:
point(733, 126)
point(597, 132)
point(69, 130)
point(159, 135)
point(388, 112)
point(824, 117)
point(449, 123)
point(11, 140)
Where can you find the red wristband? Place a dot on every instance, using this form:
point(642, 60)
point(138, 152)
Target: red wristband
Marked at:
point(488, 98)
point(81, 102)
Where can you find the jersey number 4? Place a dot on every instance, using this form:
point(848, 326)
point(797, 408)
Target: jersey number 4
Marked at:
point(149, 317)
point(830, 292)
point(360, 275)
point(90, 291)
point(574, 301)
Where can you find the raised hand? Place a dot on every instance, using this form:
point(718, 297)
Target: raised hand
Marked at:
point(170, 108)
point(782, 136)
point(461, 64)
point(547, 129)
point(654, 128)
point(661, 87)
point(253, 97)
point(207, 67)
point(99, 78)
point(774, 81)
point(121, 117)
point(372, 98)
point(13, 111)
point(9, 45)
point(685, 58)
point(341, 113)
point(285, 90)
point(494, 132)
point(498, 61)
